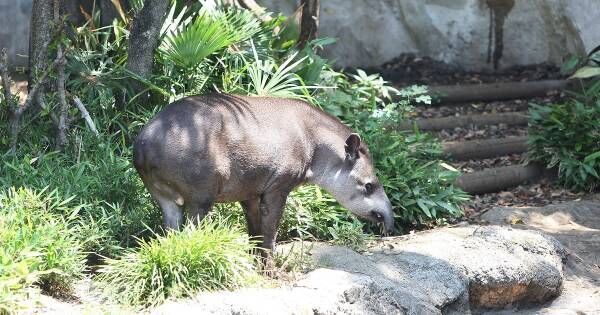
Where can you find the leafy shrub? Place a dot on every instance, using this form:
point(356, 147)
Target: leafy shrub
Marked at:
point(214, 255)
point(37, 246)
point(568, 136)
point(309, 214)
point(187, 42)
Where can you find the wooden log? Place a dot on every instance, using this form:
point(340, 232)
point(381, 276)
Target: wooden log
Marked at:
point(511, 119)
point(483, 149)
point(495, 91)
point(500, 178)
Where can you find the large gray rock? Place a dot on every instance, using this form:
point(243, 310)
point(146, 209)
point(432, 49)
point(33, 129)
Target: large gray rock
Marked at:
point(445, 271)
point(466, 33)
point(576, 224)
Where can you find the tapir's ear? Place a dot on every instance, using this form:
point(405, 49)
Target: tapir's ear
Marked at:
point(352, 144)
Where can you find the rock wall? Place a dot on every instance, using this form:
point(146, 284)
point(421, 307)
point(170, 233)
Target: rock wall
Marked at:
point(444, 271)
point(472, 34)
point(14, 29)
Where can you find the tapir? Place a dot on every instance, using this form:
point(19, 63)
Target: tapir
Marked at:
point(223, 148)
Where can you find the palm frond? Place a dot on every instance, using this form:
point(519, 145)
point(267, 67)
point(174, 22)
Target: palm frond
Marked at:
point(269, 79)
point(189, 45)
point(188, 41)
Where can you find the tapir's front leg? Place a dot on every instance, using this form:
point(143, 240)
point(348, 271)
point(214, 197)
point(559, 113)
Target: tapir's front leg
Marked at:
point(272, 205)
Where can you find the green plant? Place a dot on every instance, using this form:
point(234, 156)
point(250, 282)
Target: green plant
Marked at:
point(567, 136)
point(98, 174)
point(17, 282)
point(204, 36)
point(269, 79)
point(349, 234)
point(310, 212)
point(214, 255)
point(37, 246)
point(187, 42)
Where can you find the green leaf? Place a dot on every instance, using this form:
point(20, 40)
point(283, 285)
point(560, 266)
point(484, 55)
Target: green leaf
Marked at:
point(570, 64)
point(187, 43)
point(588, 159)
point(586, 72)
point(424, 207)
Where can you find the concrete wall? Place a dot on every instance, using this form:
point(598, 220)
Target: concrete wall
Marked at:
point(14, 29)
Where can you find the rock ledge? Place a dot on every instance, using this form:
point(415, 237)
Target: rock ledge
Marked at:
point(443, 271)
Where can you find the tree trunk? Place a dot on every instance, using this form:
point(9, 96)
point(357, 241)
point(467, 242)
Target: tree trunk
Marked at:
point(61, 136)
point(144, 39)
point(40, 35)
point(309, 22)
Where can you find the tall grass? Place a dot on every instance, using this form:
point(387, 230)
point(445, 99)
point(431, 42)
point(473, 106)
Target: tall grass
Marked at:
point(214, 255)
point(38, 247)
point(97, 173)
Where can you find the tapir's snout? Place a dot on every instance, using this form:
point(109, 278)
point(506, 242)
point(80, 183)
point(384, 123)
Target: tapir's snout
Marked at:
point(388, 221)
point(385, 216)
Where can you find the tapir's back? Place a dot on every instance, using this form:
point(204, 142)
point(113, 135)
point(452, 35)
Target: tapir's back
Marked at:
point(243, 140)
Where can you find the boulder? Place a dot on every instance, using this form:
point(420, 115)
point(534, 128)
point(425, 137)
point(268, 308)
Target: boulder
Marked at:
point(444, 271)
point(576, 224)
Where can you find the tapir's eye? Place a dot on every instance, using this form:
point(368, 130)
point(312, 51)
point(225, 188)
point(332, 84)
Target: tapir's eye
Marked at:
point(369, 188)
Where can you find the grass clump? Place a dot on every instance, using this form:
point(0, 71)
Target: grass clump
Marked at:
point(38, 247)
point(211, 256)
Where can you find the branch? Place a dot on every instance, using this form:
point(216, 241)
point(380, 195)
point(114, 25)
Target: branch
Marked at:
point(255, 8)
point(86, 115)
point(17, 112)
point(309, 22)
point(34, 89)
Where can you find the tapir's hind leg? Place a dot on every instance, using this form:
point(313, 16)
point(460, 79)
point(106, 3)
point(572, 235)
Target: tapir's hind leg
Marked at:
point(171, 212)
point(170, 203)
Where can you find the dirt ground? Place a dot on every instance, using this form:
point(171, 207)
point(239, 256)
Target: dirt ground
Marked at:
point(409, 69)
